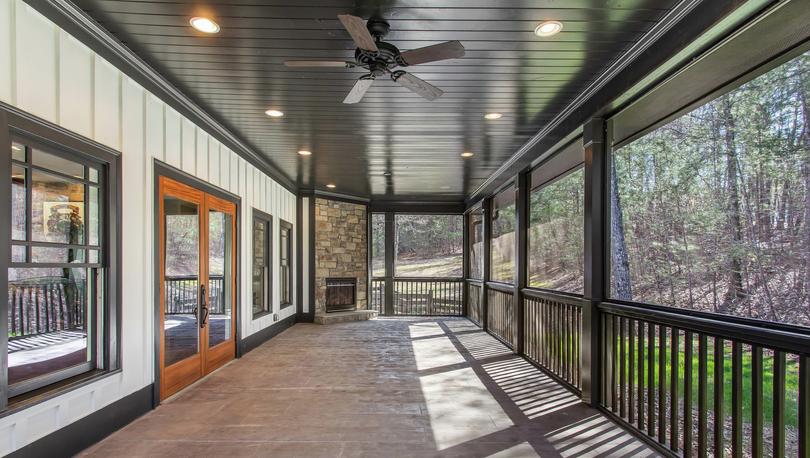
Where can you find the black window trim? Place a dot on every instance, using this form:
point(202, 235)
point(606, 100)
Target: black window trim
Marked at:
point(284, 225)
point(15, 123)
point(267, 220)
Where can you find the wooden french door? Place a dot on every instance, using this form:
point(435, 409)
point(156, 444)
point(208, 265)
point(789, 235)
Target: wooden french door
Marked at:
point(197, 284)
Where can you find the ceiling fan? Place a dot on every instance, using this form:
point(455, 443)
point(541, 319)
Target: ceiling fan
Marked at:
point(381, 58)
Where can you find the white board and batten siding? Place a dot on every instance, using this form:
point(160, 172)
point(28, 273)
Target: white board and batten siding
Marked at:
point(48, 73)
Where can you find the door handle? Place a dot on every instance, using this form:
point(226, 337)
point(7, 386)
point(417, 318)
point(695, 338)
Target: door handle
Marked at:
point(203, 306)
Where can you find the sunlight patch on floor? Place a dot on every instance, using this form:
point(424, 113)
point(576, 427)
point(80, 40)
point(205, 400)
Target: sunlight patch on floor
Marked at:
point(425, 329)
point(535, 393)
point(460, 408)
point(522, 450)
point(482, 346)
point(435, 352)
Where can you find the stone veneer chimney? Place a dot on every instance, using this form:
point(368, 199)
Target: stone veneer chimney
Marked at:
point(341, 248)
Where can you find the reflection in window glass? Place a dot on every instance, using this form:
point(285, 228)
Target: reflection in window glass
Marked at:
point(709, 212)
point(57, 209)
point(57, 164)
point(428, 245)
point(502, 251)
point(48, 325)
point(18, 213)
point(93, 216)
point(556, 240)
point(220, 310)
point(476, 240)
point(18, 151)
point(378, 245)
point(261, 265)
point(285, 265)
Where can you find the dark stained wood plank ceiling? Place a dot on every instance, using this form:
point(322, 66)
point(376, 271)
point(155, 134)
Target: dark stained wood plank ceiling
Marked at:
point(238, 73)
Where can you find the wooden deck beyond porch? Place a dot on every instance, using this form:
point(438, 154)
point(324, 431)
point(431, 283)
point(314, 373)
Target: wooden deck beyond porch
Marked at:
point(386, 387)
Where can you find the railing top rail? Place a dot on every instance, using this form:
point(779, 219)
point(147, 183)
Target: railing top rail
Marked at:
point(777, 339)
point(421, 279)
point(474, 281)
point(191, 277)
point(565, 298)
point(501, 287)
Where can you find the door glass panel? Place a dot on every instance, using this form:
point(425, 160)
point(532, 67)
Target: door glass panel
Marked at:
point(219, 277)
point(182, 270)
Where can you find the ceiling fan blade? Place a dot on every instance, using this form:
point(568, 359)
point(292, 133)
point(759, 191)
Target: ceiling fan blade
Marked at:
point(357, 29)
point(359, 90)
point(318, 63)
point(441, 51)
point(417, 85)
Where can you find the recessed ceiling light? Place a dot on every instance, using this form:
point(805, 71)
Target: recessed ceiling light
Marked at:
point(274, 113)
point(204, 24)
point(304, 152)
point(445, 187)
point(493, 116)
point(387, 174)
point(467, 154)
point(548, 28)
point(331, 186)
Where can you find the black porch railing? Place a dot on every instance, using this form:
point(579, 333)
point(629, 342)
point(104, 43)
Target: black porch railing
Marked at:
point(552, 330)
point(420, 296)
point(182, 294)
point(43, 305)
point(502, 312)
point(703, 386)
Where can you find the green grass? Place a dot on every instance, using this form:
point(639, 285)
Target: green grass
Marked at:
point(791, 377)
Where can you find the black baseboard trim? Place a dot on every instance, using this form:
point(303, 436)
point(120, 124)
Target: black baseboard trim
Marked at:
point(305, 318)
point(77, 436)
point(257, 338)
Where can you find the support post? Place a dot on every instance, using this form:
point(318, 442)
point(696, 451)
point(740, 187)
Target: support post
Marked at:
point(465, 260)
point(521, 252)
point(390, 227)
point(596, 220)
point(486, 208)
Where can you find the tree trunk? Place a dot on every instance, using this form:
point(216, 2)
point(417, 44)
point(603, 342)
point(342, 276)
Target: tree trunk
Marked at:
point(735, 280)
point(622, 288)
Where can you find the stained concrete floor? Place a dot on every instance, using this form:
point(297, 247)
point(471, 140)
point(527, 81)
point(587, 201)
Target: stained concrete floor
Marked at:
point(381, 388)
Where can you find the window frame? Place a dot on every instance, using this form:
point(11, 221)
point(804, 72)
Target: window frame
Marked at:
point(282, 226)
point(267, 280)
point(105, 328)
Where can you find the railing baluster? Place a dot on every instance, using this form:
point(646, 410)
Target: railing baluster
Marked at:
point(622, 369)
point(688, 341)
point(631, 372)
point(779, 368)
point(719, 387)
point(757, 410)
point(662, 382)
point(703, 355)
point(804, 406)
point(674, 397)
point(641, 358)
point(736, 399)
point(651, 379)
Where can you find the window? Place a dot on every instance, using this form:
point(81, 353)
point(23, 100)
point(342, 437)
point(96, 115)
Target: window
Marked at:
point(262, 270)
point(59, 307)
point(556, 227)
point(429, 245)
point(285, 264)
point(476, 240)
point(710, 211)
point(502, 251)
point(377, 245)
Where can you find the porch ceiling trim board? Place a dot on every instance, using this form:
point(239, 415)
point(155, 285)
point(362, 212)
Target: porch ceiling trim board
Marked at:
point(80, 25)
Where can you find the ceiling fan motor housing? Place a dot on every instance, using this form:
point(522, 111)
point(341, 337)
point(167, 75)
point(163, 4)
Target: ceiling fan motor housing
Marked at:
point(378, 63)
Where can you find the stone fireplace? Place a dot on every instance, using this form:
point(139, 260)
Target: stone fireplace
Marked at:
point(341, 256)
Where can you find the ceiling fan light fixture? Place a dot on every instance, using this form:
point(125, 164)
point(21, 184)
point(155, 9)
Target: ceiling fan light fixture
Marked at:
point(204, 24)
point(548, 28)
point(467, 154)
point(331, 186)
point(493, 116)
point(274, 113)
